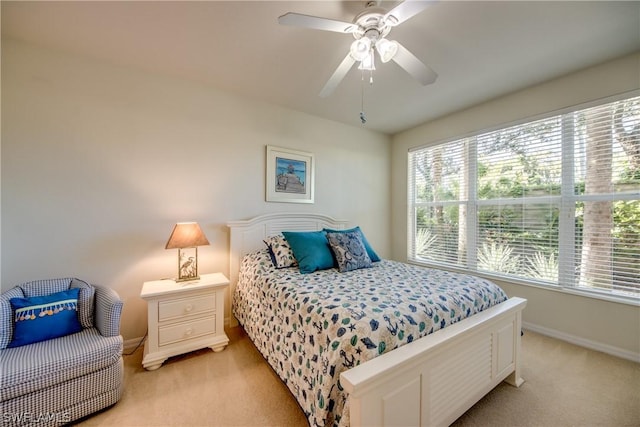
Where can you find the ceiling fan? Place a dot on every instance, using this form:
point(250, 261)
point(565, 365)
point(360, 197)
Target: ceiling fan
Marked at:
point(370, 29)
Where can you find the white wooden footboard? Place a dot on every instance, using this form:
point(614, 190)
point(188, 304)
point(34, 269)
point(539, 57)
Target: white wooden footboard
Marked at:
point(434, 380)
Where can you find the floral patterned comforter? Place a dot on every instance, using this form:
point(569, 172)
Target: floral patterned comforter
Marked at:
point(312, 327)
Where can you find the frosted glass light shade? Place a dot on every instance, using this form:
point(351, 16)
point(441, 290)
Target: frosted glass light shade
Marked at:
point(360, 49)
point(387, 49)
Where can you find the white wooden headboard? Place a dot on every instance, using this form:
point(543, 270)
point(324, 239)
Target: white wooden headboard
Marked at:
point(248, 235)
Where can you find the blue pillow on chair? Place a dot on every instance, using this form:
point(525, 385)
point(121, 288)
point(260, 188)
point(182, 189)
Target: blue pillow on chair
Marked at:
point(44, 317)
point(311, 250)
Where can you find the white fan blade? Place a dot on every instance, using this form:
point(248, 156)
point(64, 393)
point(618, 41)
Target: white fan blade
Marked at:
point(414, 66)
point(315, 22)
point(337, 76)
point(405, 10)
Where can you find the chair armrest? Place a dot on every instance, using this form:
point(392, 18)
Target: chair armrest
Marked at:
point(108, 310)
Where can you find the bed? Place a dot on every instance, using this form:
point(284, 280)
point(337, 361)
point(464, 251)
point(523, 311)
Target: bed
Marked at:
point(368, 347)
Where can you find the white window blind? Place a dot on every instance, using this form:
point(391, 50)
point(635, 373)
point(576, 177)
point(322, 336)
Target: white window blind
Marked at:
point(519, 181)
point(439, 192)
point(606, 252)
point(553, 201)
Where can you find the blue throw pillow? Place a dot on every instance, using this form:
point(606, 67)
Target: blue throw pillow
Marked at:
point(372, 254)
point(349, 251)
point(45, 317)
point(311, 250)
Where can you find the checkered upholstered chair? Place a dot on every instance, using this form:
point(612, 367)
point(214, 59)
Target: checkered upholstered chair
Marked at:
point(55, 381)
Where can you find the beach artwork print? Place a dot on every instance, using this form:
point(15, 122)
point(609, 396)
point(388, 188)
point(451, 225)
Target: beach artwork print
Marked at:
point(290, 175)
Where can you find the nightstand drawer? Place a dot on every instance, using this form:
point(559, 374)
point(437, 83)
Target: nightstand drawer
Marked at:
point(186, 306)
point(187, 330)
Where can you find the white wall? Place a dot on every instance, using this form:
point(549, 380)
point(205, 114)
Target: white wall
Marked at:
point(606, 325)
point(99, 162)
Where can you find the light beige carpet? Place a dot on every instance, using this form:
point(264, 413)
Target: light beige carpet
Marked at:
point(566, 385)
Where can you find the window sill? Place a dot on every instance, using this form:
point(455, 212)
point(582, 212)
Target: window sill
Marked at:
point(596, 294)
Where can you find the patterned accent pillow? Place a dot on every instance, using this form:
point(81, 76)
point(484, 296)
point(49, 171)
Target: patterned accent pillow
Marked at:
point(45, 317)
point(349, 251)
point(372, 254)
point(280, 252)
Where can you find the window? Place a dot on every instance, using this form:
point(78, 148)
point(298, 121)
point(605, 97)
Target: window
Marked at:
point(554, 201)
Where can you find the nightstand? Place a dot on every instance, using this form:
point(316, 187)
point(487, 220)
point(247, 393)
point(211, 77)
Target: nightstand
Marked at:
point(184, 316)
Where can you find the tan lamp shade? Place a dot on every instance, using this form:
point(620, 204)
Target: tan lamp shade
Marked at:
point(186, 235)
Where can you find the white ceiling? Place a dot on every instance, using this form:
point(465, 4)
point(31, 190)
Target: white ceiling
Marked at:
point(479, 49)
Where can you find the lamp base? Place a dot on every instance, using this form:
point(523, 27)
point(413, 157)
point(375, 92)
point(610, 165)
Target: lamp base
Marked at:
point(187, 264)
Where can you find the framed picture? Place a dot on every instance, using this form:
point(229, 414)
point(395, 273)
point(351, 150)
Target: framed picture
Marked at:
point(289, 175)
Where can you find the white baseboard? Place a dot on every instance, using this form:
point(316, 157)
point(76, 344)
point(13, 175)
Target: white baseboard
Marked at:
point(583, 342)
point(131, 344)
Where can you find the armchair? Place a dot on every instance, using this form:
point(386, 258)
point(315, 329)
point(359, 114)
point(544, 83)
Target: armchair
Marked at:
point(59, 380)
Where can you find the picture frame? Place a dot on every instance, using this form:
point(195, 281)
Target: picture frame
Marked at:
point(289, 175)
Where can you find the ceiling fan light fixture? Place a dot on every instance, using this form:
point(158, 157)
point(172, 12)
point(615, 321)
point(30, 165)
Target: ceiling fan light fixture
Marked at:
point(387, 49)
point(360, 49)
point(369, 28)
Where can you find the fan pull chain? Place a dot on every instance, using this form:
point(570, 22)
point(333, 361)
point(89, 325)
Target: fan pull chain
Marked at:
point(363, 118)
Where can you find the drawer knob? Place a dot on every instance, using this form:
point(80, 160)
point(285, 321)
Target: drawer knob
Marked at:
point(188, 308)
point(188, 331)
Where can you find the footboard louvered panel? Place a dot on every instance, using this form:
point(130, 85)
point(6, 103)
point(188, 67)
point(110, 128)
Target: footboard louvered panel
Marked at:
point(451, 381)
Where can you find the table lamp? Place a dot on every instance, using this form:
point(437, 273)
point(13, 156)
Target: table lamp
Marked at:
point(187, 236)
